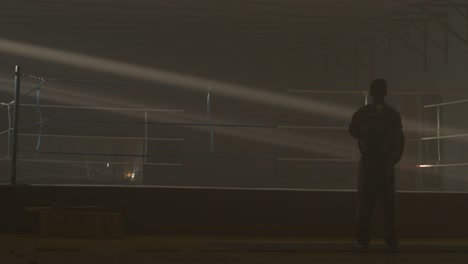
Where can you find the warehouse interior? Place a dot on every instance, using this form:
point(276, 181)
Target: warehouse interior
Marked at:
point(207, 131)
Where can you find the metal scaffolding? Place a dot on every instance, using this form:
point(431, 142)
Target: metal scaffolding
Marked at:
point(383, 35)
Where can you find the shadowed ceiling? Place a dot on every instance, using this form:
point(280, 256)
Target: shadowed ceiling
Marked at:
point(226, 40)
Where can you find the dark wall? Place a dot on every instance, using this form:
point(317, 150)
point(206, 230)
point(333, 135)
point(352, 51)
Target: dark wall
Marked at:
point(166, 211)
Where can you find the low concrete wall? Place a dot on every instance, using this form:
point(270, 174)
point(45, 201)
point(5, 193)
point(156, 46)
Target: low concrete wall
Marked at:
point(220, 212)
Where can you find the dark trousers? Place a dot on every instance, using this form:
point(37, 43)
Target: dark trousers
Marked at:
point(376, 182)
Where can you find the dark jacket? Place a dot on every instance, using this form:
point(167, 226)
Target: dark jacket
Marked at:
point(392, 119)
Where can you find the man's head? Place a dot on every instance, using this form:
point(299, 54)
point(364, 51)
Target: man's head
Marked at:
point(378, 89)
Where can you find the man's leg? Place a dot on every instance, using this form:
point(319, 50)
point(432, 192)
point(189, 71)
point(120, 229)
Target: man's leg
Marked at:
point(366, 200)
point(389, 205)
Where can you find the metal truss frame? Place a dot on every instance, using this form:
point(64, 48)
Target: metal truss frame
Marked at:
point(437, 11)
point(396, 29)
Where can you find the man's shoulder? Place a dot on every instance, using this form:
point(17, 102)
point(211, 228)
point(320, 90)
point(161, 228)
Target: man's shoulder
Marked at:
point(364, 109)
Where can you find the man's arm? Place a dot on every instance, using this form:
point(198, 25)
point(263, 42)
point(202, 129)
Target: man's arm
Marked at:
point(400, 141)
point(355, 125)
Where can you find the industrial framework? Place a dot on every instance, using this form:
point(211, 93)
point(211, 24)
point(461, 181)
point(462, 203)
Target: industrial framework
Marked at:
point(431, 20)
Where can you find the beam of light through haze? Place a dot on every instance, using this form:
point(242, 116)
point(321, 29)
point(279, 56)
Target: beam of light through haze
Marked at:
point(185, 81)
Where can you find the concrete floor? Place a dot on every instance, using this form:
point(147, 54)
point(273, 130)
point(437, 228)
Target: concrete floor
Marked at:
point(176, 250)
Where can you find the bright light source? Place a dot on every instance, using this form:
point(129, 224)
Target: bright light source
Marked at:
point(108, 165)
point(130, 176)
point(424, 166)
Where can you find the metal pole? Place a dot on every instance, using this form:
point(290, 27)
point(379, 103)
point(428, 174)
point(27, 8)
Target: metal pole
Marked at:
point(371, 58)
point(15, 124)
point(446, 41)
point(466, 17)
point(355, 66)
point(146, 138)
point(390, 48)
point(438, 135)
point(208, 112)
point(9, 131)
point(425, 46)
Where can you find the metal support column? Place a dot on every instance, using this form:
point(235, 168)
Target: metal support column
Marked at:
point(466, 18)
point(208, 113)
point(355, 65)
point(9, 131)
point(15, 123)
point(425, 34)
point(371, 58)
point(146, 138)
point(390, 48)
point(446, 40)
point(439, 152)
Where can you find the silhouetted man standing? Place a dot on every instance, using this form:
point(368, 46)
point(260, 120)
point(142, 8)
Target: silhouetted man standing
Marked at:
point(378, 129)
